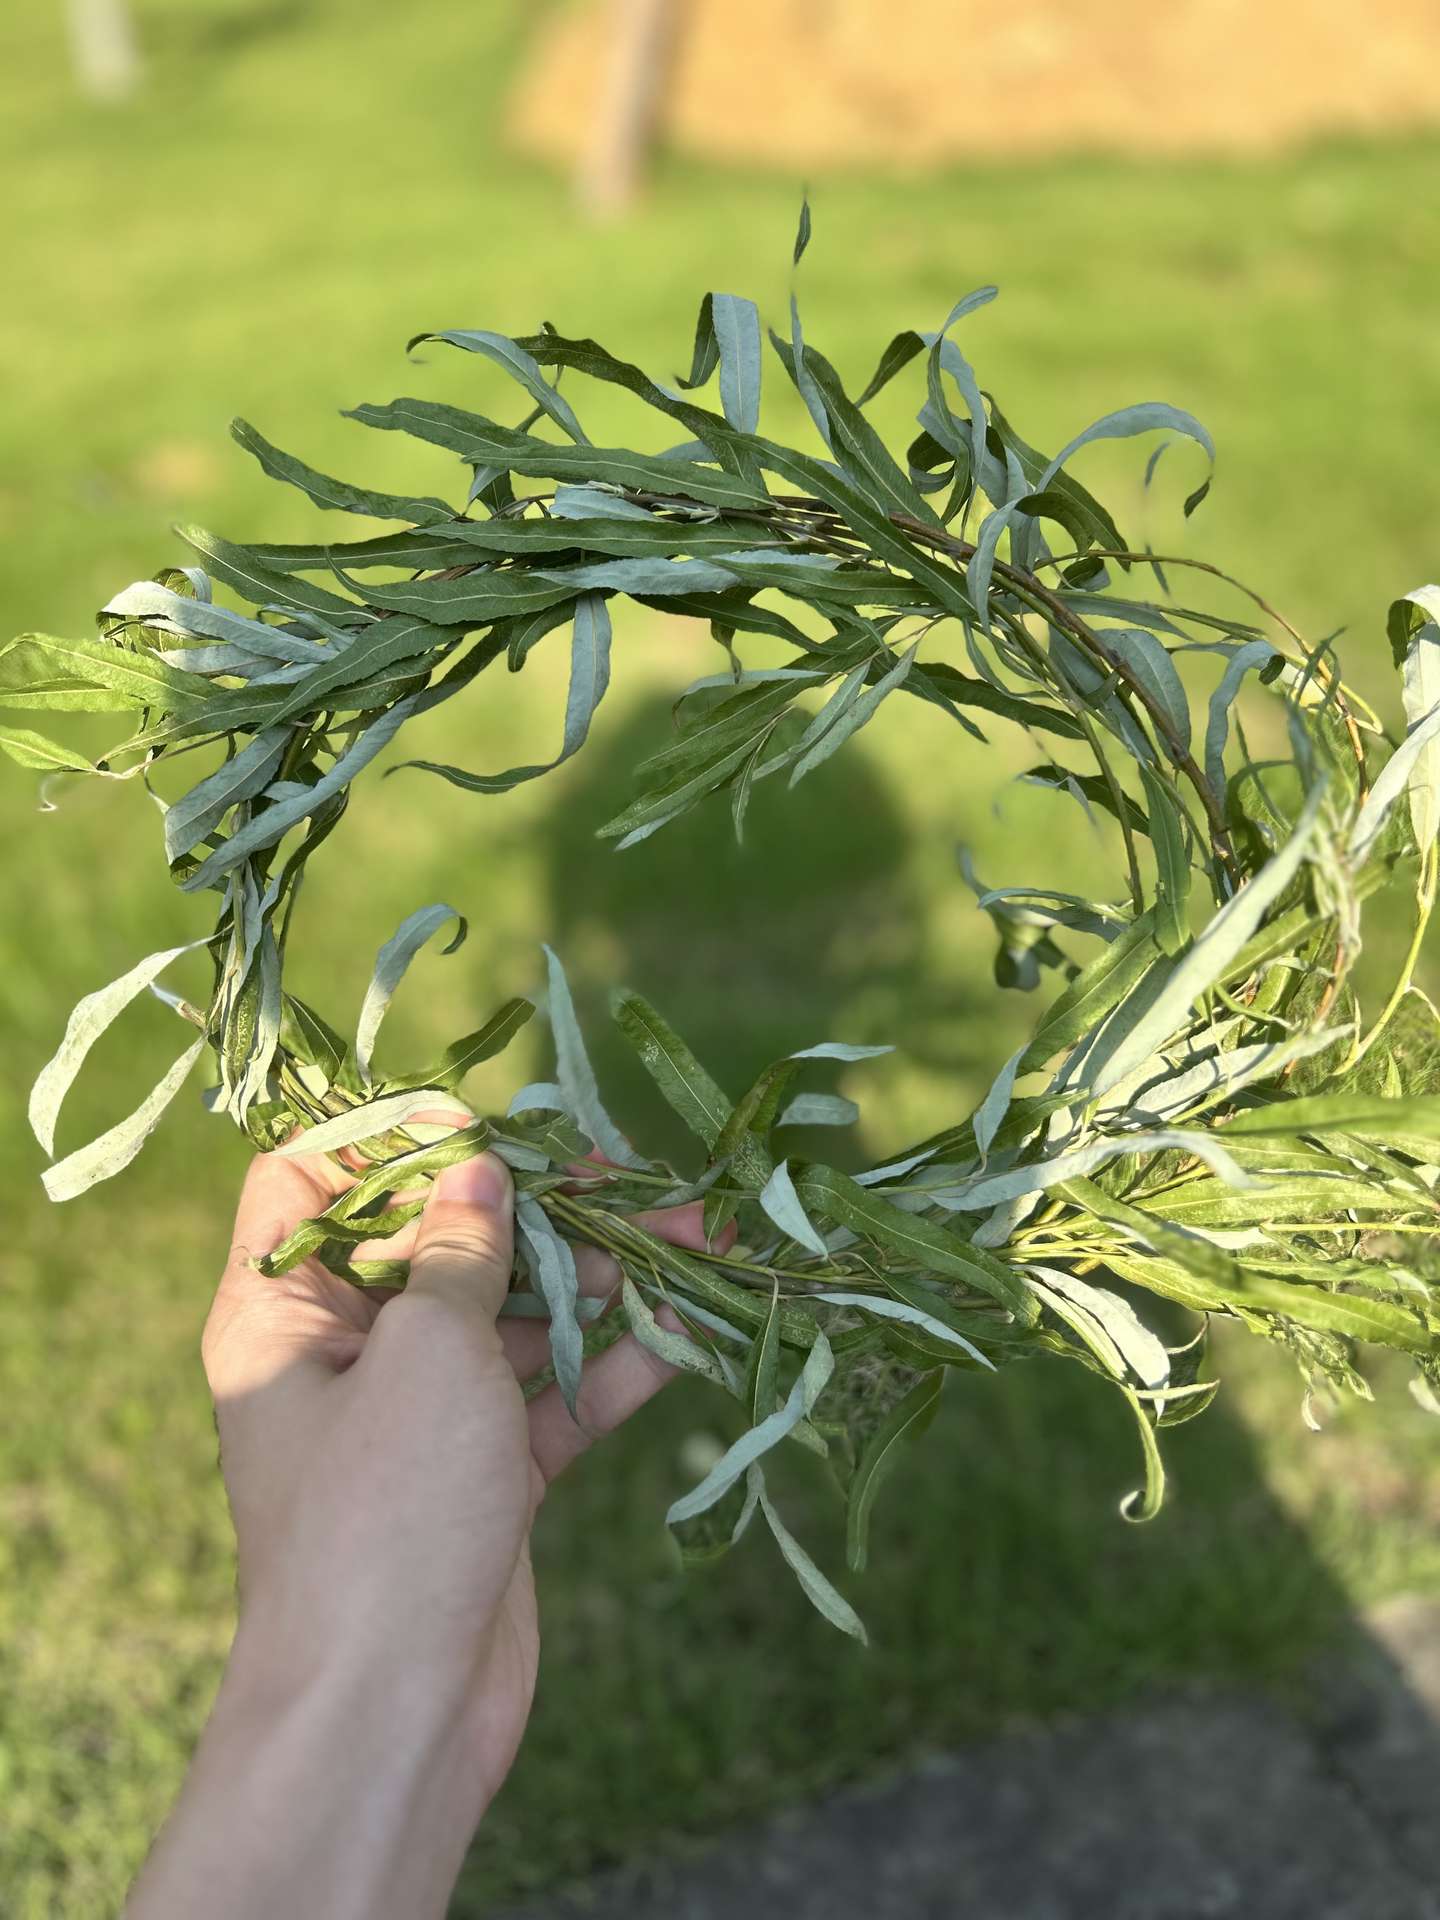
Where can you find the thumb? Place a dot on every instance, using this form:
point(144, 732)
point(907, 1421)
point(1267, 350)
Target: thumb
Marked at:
point(466, 1236)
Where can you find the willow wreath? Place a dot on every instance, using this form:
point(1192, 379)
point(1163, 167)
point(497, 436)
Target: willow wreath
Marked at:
point(1203, 1112)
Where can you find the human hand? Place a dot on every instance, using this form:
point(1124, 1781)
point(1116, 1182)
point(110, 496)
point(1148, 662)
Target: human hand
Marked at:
point(384, 1470)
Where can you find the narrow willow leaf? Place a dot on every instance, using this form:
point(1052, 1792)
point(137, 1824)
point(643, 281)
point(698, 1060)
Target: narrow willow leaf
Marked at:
point(976, 1195)
point(131, 679)
point(1172, 865)
point(675, 1349)
point(1254, 654)
point(391, 964)
point(861, 451)
point(767, 1433)
point(1411, 759)
point(458, 1058)
point(520, 365)
point(575, 1073)
point(932, 1248)
point(762, 1366)
point(903, 1424)
point(1139, 1349)
point(552, 1268)
point(797, 367)
point(780, 1200)
point(685, 1084)
point(1207, 959)
point(1152, 666)
point(803, 230)
point(898, 355)
point(1147, 416)
point(1370, 1115)
point(34, 751)
point(1146, 1501)
point(482, 442)
point(589, 681)
point(337, 494)
point(263, 586)
point(596, 503)
point(313, 1040)
point(365, 1122)
point(737, 339)
point(849, 719)
point(907, 1311)
point(114, 1150)
point(819, 1110)
point(1421, 689)
point(90, 1018)
point(996, 1104)
point(824, 1597)
point(197, 815)
point(272, 823)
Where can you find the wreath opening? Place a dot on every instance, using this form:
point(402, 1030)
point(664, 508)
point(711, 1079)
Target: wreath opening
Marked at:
point(1205, 1111)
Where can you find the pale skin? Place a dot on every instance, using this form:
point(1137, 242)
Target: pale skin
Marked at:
point(384, 1471)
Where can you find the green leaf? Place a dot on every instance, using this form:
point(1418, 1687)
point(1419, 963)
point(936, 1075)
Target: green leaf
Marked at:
point(829, 1603)
point(819, 1110)
point(847, 719)
point(1152, 666)
point(458, 1058)
point(131, 679)
point(391, 964)
point(91, 1017)
point(271, 824)
point(1254, 654)
point(904, 1423)
point(337, 494)
point(577, 1076)
point(366, 1122)
point(484, 443)
point(34, 751)
point(197, 814)
point(263, 586)
point(780, 1201)
point(1370, 1115)
point(114, 1150)
point(675, 1349)
point(803, 230)
point(728, 333)
point(762, 1366)
point(520, 365)
point(589, 681)
point(765, 1434)
point(861, 451)
point(1172, 866)
point(1206, 961)
point(685, 1084)
point(931, 1248)
point(312, 1039)
point(1146, 1501)
point(906, 1310)
point(552, 1270)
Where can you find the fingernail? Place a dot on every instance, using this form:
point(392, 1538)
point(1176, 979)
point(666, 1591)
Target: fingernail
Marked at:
point(482, 1182)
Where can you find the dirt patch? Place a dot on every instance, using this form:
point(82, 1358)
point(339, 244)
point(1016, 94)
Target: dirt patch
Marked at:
point(809, 83)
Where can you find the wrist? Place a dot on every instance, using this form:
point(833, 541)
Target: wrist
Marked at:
point(341, 1792)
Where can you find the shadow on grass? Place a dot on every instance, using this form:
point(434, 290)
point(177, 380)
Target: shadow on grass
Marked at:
point(808, 931)
point(1003, 1585)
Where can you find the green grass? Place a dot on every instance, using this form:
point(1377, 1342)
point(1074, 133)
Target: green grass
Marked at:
point(301, 188)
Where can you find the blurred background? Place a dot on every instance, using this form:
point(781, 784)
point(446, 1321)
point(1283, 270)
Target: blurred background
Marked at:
point(215, 207)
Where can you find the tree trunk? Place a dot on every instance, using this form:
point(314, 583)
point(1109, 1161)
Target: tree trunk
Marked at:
point(103, 45)
point(643, 36)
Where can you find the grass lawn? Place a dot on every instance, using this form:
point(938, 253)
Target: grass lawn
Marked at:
point(301, 187)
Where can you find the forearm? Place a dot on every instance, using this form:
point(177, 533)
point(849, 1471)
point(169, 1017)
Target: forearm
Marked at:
point(350, 1796)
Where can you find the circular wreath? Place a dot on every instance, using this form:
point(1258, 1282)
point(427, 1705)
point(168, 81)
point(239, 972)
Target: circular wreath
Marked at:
point(1204, 1112)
